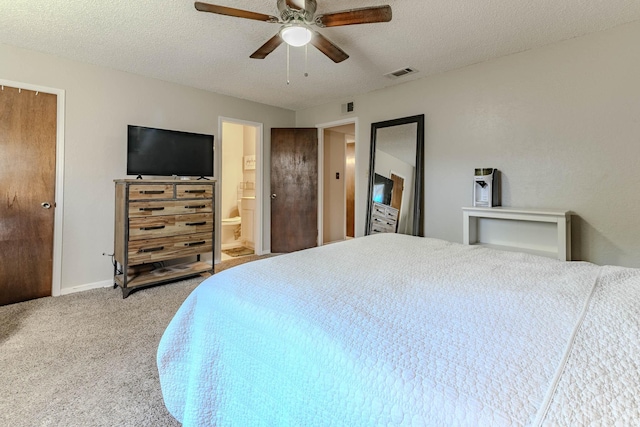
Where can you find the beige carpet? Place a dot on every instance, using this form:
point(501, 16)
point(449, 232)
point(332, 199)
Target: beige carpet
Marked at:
point(88, 359)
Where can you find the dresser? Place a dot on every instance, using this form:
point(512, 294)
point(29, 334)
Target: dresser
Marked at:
point(384, 219)
point(161, 230)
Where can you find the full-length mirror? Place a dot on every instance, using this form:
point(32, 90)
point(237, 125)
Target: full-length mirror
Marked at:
point(395, 202)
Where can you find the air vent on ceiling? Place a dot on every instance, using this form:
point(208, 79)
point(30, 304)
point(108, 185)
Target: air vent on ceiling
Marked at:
point(401, 72)
point(349, 107)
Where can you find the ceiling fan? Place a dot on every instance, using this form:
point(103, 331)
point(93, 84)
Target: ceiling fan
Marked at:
point(296, 22)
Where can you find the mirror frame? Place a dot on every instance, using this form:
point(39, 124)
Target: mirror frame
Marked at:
point(418, 220)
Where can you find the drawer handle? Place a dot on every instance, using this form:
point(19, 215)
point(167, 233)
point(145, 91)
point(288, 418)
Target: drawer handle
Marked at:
point(196, 207)
point(159, 248)
point(151, 191)
point(194, 191)
point(196, 223)
point(376, 220)
point(158, 227)
point(195, 243)
point(152, 209)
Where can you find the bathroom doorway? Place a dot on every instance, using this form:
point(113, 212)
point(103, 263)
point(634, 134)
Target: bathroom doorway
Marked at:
point(239, 190)
point(337, 181)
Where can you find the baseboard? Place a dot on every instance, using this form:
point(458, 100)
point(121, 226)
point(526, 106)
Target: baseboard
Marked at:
point(248, 244)
point(87, 287)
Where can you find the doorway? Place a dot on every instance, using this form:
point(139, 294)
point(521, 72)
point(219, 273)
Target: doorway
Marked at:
point(31, 130)
point(337, 180)
point(239, 189)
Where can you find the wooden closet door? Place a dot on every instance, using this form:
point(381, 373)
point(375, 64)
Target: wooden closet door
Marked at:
point(27, 186)
point(294, 189)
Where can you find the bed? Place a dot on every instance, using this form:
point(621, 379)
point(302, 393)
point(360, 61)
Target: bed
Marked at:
point(398, 330)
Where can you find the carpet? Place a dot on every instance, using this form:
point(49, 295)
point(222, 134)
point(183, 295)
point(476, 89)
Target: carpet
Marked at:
point(89, 358)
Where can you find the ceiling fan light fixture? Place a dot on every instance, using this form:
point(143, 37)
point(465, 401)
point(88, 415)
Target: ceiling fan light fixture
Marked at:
point(296, 35)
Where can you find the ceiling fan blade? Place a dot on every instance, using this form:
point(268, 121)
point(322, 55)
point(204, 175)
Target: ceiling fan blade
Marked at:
point(228, 11)
point(325, 46)
point(268, 47)
point(365, 15)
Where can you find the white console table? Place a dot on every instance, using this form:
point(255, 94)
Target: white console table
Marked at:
point(543, 232)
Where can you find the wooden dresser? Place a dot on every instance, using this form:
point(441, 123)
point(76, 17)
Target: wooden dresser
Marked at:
point(157, 223)
point(384, 219)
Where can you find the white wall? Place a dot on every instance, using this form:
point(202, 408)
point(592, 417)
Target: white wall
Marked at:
point(100, 102)
point(249, 175)
point(232, 153)
point(561, 122)
point(333, 217)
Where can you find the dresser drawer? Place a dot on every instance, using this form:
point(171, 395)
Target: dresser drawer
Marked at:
point(391, 214)
point(190, 191)
point(169, 207)
point(384, 211)
point(150, 191)
point(376, 229)
point(379, 210)
point(383, 225)
point(169, 225)
point(163, 248)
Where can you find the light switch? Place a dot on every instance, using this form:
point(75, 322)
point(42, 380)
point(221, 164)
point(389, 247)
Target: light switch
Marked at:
point(337, 175)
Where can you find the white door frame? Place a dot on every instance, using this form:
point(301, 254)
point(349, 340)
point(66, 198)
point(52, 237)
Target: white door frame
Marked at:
point(257, 226)
point(321, 128)
point(58, 218)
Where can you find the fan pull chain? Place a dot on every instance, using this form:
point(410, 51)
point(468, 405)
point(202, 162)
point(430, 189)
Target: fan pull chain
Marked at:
point(287, 64)
point(306, 49)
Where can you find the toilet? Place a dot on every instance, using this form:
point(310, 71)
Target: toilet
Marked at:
point(236, 220)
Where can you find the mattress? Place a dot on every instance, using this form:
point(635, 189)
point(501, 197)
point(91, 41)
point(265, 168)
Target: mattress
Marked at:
point(398, 330)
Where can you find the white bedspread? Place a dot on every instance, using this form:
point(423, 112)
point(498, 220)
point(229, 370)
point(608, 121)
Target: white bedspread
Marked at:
point(398, 330)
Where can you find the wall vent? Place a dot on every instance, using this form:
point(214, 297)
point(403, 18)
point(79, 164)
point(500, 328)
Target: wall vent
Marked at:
point(401, 72)
point(349, 107)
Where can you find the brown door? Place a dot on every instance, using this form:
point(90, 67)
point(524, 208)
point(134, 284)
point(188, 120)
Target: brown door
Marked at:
point(294, 189)
point(396, 195)
point(27, 190)
point(398, 190)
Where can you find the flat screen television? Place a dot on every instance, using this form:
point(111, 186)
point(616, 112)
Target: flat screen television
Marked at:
point(382, 189)
point(162, 152)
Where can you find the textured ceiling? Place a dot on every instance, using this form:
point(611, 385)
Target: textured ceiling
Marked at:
point(171, 41)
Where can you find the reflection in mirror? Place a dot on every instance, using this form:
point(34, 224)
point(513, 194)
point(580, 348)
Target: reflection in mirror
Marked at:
point(396, 168)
